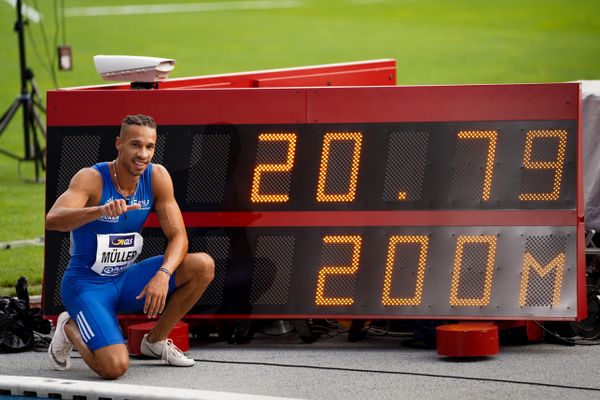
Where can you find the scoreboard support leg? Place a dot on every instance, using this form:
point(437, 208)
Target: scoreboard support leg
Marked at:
point(357, 330)
point(305, 332)
point(237, 331)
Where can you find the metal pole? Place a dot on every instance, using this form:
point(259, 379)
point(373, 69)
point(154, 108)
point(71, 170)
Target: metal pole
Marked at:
point(25, 100)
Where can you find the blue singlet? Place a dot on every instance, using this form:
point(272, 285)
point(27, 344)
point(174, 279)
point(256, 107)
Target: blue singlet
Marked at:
point(101, 279)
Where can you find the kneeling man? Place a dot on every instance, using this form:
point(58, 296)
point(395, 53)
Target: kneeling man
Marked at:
point(105, 208)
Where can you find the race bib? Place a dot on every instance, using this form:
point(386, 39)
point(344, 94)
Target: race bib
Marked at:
point(116, 252)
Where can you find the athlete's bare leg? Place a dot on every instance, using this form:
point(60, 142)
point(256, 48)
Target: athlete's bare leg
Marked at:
point(192, 277)
point(109, 362)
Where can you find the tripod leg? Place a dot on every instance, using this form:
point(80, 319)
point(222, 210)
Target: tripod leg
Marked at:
point(29, 99)
point(37, 155)
point(35, 93)
point(37, 105)
point(5, 120)
point(9, 114)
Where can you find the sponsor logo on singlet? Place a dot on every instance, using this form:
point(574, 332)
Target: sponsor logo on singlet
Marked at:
point(107, 218)
point(116, 252)
point(144, 203)
point(121, 241)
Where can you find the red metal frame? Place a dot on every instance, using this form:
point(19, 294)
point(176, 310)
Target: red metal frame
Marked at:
point(581, 263)
point(180, 102)
point(361, 73)
point(318, 105)
point(347, 317)
point(372, 218)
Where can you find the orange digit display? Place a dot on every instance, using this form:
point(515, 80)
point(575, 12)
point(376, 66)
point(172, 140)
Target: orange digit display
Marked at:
point(491, 155)
point(387, 299)
point(531, 264)
point(484, 300)
point(324, 168)
point(256, 196)
point(557, 165)
point(449, 202)
point(351, 269)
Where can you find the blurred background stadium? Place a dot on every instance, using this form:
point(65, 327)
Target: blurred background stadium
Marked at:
point(433, 41)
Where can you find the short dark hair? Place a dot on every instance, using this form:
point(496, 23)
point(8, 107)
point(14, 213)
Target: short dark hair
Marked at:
point(138, 119)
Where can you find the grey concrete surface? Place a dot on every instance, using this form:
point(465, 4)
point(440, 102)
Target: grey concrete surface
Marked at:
point(378, 367)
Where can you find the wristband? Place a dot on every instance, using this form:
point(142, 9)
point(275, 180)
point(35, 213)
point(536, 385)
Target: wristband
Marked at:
point(166, 271)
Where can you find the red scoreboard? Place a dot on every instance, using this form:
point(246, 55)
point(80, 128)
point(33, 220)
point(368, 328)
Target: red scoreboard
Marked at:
point(454, 202)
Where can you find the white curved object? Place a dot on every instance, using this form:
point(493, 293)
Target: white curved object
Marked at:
point(133, 68)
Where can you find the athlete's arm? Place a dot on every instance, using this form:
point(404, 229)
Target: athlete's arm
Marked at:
point(76, 206)
point(171, 222)
point(169, 217)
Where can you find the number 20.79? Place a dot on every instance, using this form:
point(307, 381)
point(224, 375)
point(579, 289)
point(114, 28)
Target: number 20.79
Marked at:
point(355, 139)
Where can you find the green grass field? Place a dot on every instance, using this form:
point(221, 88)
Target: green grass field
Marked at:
point(434, 42)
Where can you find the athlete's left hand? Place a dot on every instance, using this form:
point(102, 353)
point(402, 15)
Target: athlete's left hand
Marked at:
point(155, 293)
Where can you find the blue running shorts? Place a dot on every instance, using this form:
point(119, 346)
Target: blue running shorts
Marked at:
point(93, 301)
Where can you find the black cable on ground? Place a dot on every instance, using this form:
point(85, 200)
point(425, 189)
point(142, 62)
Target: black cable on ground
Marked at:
point(571, 342)
point(468, 378)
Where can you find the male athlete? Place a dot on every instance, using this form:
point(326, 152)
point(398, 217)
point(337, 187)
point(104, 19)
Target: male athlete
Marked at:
point(105, 208)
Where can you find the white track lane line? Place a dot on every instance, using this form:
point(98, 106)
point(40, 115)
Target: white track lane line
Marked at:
point(69, 388)
point(179, 8)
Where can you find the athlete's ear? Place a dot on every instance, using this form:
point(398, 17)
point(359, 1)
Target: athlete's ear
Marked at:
point(118, 143)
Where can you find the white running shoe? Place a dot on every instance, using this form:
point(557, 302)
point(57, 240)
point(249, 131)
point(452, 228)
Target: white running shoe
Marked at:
point(59, 351)
point(165, 350)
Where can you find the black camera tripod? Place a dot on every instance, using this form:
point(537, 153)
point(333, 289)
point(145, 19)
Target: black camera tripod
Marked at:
point(31, 102)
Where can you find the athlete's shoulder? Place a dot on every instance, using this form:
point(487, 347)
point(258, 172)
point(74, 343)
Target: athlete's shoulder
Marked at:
point(85, 174)
point(161, 181)
point(83, 188)
point(86, 180)
point(159, 173)
point(158, 167)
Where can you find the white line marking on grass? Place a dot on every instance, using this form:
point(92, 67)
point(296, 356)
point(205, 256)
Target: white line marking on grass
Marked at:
point(179, 8)
point(366, 2)
point(29, 12)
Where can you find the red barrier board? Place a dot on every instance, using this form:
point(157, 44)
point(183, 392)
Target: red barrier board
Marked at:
point(454, 202)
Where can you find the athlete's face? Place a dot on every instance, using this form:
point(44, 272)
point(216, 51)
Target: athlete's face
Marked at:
point(136, 147)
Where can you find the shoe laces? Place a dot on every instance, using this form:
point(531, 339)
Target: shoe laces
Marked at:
point(63, 346)
point(169, 349)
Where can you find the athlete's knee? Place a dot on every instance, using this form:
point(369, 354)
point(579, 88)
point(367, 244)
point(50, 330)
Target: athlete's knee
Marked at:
point(203, 267)
point(114, 372)
point(113, 367)
point(207, 267)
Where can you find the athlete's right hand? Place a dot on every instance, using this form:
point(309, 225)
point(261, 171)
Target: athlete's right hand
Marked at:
point(117, 207)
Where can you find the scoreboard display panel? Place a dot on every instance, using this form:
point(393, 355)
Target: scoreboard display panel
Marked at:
point(454, 202)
